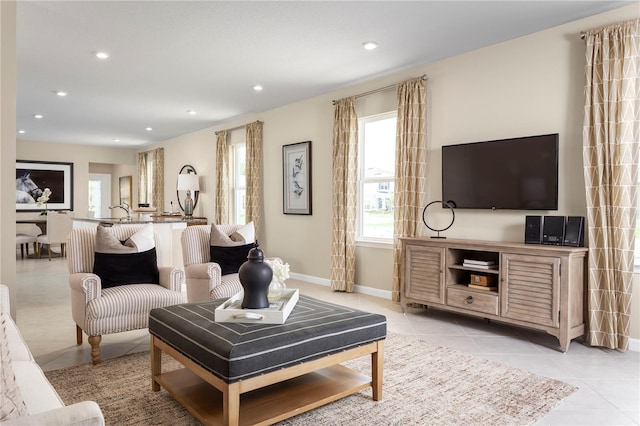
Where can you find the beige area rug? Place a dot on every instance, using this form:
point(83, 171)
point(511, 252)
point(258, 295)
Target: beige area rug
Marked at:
point(423, 384)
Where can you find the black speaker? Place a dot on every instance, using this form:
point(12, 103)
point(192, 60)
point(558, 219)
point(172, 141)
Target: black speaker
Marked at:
point(533, 230)
point(574, 231)
point(553, 230)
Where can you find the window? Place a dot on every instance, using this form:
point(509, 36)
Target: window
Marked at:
point(376, 177)
point(237, 163)
point(637, 247)
point(95, 196)
point(99, 192)
point(145, 179)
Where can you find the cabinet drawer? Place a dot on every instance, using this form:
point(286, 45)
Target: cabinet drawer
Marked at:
point(473, 300)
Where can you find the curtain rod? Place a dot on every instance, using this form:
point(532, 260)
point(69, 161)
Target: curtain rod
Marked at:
point(381, 89)
point(583, 34)
point(239, 127)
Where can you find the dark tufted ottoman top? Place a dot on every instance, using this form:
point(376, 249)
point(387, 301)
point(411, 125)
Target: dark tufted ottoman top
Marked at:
point(235, 351)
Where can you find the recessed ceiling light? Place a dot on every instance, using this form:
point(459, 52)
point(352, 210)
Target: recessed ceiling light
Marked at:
point(369, 45)
point(61, 93)
point(22, 131)
point(191, 112)
point(116, 140)
point(257, 88)
point(148, 129)
point(102, 55)
point(38, 116)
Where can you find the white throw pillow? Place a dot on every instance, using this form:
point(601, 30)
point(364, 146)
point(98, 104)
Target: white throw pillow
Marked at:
point(244, 235)
point(11, 403)
point(143, 240)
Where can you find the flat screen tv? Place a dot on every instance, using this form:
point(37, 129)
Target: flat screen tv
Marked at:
point(513, 174)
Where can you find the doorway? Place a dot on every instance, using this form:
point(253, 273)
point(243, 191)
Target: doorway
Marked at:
point(99, 194)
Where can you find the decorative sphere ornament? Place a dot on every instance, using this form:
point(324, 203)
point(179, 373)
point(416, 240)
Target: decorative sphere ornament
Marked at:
point(450, 205)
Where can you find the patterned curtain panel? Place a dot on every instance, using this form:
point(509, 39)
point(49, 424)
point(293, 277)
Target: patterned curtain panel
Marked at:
point(611, 147)
point(158, 178)
point(142, 177)
point(254, 173)
point(410, 182)
point(222, 177)
point(345, 176)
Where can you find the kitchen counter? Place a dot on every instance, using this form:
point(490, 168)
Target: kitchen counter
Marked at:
point(167, 228)
point(148, 219)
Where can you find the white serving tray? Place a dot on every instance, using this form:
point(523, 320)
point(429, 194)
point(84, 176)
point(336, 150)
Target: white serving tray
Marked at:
point(276, 313)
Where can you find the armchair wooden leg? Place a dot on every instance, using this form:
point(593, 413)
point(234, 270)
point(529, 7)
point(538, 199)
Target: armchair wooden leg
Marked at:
point(94, 341)
point(22, 251)
point(78, 335)
point(49, 249)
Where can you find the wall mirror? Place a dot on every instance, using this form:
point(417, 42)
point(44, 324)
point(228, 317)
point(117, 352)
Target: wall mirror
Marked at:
point(182, 194)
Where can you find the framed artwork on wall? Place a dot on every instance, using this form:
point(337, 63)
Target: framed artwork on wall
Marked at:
point(296, 168)
point(125, 189)
point(33, 177)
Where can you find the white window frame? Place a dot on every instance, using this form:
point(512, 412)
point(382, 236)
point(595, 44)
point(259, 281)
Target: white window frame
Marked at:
point(233, 190)
point(636, 258)
point(636, 267)
point(362, 240)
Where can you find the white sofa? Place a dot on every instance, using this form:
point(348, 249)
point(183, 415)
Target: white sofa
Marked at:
point(26, 396)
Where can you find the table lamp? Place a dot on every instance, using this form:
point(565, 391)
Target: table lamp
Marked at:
point(188, 182)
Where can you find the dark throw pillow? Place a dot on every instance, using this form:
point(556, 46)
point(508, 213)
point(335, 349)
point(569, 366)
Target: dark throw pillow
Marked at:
point(127, 268)
point(133, 261)
point(230, 257)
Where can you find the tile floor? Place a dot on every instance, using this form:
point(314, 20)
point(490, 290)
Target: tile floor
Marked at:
point(609, 381)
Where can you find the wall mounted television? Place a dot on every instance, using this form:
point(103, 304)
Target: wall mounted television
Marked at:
point(512, 174)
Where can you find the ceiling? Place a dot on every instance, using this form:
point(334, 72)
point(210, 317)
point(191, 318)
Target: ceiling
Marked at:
point(168, 57)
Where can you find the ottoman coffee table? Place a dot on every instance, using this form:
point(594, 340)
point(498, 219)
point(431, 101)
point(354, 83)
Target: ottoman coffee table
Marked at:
point(246, 373)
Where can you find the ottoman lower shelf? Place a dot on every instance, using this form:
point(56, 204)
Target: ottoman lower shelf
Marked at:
point(269, 398)
point(265, 405)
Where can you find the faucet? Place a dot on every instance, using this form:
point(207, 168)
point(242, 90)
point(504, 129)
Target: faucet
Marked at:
point(125, 207)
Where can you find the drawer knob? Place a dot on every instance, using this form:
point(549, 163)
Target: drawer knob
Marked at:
point(469, 299)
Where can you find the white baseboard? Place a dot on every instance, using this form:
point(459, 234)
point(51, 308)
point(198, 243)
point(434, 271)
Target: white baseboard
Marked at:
point(634, 344)
point(384, 294)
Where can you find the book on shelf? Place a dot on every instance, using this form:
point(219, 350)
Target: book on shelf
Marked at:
point(474, 265)
point(479, 262)
point(482, 287)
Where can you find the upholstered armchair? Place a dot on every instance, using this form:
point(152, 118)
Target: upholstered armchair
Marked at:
point(204, 278)
point(100, 304)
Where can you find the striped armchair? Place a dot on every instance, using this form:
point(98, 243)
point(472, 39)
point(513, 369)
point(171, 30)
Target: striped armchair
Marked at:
point(98, 311)
point(204, 278)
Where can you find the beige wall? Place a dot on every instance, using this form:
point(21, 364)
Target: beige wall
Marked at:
point(8, 145)
point(531, 85)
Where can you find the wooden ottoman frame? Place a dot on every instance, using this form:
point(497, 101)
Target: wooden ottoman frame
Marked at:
point(267, 398)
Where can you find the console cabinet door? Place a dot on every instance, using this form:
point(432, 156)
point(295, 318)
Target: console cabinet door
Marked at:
point(424, 278)
point(530, 288)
